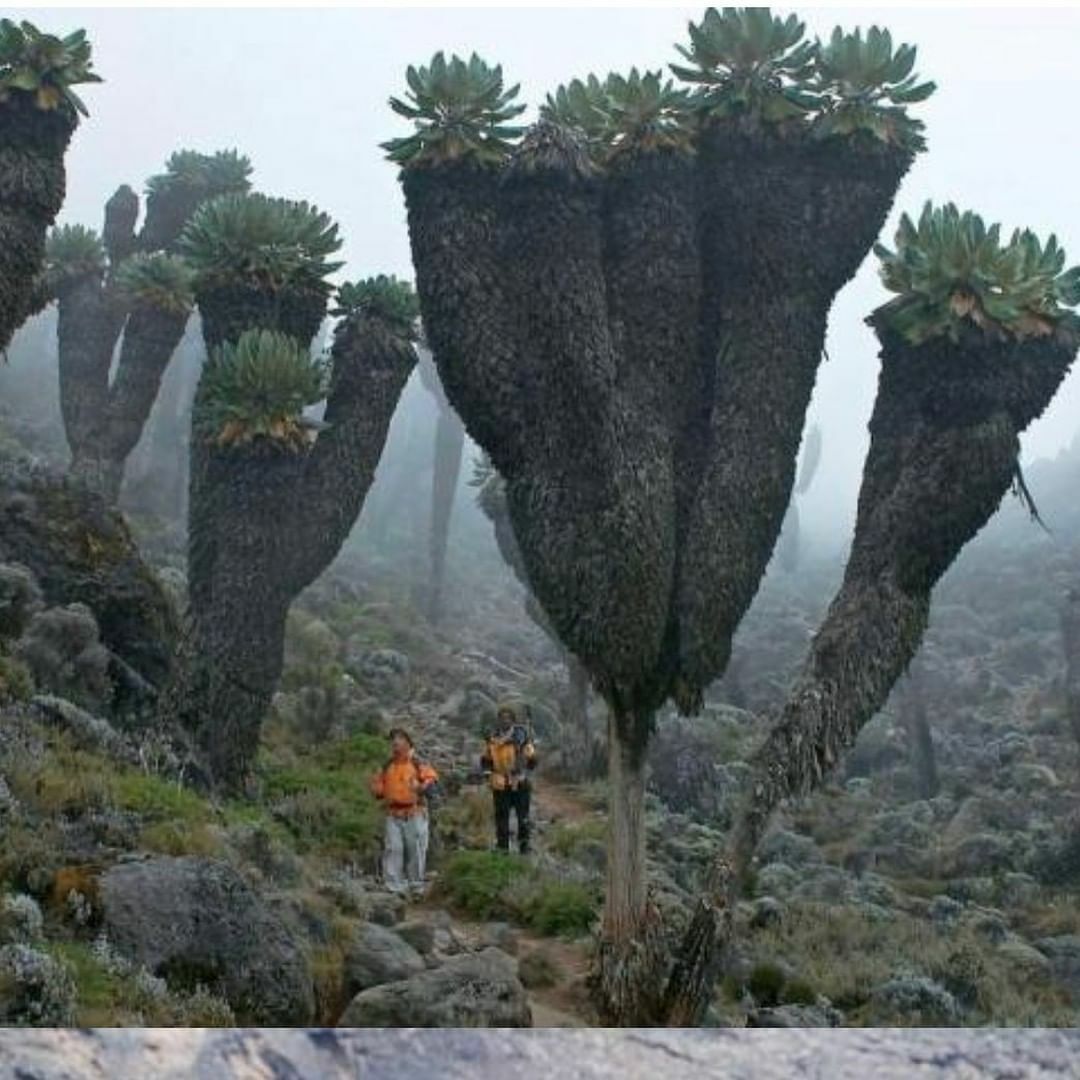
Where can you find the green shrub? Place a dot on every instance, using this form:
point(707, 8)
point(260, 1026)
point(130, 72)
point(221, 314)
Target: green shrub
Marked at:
point(765, 983)
point(562, 907)
point(475, 882)
point(321, 796)
point(798, 992)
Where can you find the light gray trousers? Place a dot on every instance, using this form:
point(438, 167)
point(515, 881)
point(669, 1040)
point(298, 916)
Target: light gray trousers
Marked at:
point(405, 852)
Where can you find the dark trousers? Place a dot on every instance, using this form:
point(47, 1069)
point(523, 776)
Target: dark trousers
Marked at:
point(518, 801)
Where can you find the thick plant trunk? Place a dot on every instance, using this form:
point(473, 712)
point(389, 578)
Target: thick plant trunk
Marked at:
point(264, 522)
point(1070, 628)
point(32, 185)
point(449, 447)
point(943, 453)
point(916, 723)
point(628, 971)
point(786, 223)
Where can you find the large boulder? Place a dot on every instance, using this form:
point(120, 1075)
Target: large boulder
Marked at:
point(193, 920)
point(80, 551)
point(475, 990)
point(377, 955)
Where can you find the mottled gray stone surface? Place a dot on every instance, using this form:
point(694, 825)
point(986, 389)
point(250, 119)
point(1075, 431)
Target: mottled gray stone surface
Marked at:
point(416, 1054)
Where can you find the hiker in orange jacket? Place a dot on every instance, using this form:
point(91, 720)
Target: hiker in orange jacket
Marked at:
point(509, 756)
point(400, 785)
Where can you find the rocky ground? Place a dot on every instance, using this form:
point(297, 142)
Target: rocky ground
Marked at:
point(599, 1055)
point(126, 899)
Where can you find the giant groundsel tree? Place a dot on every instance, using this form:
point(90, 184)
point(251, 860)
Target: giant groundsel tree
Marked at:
point(973, 348)
point(628, 309)
point(130, 289)
point(272, 494)
point(39, 112)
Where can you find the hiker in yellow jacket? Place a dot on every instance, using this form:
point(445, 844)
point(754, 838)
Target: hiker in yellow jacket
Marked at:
point(400, 785)
point(509, 756)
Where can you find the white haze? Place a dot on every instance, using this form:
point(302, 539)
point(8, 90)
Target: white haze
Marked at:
point(303, 93)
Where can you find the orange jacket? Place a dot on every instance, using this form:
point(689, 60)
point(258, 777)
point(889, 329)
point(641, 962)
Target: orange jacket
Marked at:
point(401, 784)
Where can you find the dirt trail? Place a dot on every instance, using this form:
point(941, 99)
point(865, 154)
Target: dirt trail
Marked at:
point(564, 1004)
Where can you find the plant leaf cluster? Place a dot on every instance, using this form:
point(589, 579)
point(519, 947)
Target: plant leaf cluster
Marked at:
point(157, 280)
point(747, 61)
point(950, 270)
point(221, 173)
point(623, 113)
point(252, 238)
point(385, 298)
point(258, 389)
point(72, 252)
point(44, 66)
point(865, 86)
point(460, 110)
point(741, 64)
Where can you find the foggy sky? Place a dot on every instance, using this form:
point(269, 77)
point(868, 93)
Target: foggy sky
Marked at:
point(303, 94)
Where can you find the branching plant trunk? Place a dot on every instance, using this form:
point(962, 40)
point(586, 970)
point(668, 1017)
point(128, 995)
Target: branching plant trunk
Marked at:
point(33, 143)
point(943, 453)
point(104, 412)
point(265, 521)
point(635, 350)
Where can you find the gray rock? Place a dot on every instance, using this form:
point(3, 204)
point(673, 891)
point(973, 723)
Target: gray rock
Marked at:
point(193, 920)
point(794, 1016)
point(377, 955)
point(81, 550)
point(417, 933)
point(387, 909)
point(585, 1054)
point(475, 990)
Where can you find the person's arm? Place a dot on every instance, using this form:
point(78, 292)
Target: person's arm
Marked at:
point(487, 763)
point(530, 755)
point(378, 784)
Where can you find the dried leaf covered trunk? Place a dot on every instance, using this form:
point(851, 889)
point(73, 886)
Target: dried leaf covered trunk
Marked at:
point(916, 723)
point(635, 350)
point(265, 521)
point(943, 453)
point(33, 143)
point(104, 418)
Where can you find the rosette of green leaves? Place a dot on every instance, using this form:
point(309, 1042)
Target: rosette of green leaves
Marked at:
point(392, 302)
point(43, 66)
point(866, 86)
point(622, 114)
point(72, 252)
point(460, 112)
point(274, 243)
point(222, 173)
point(950, 270)
point(258, 389)
point(746, 62)
point(157, 280)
